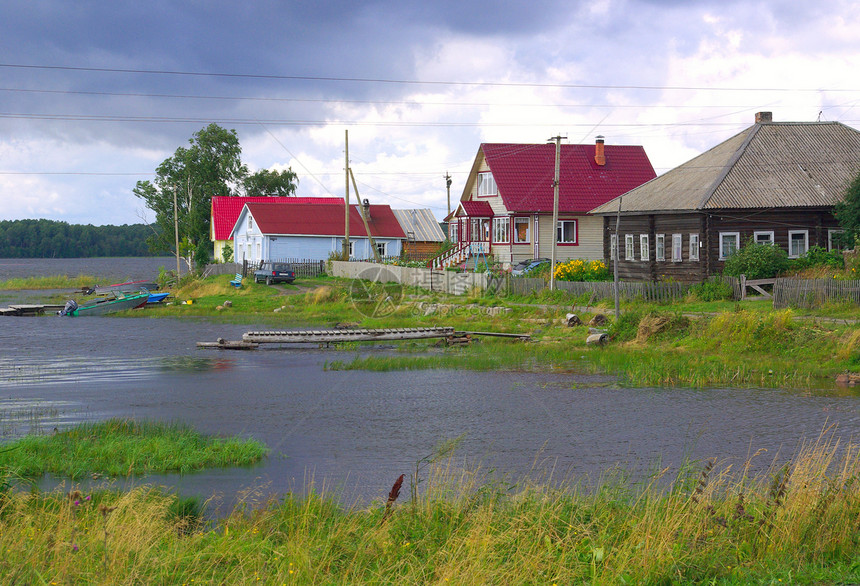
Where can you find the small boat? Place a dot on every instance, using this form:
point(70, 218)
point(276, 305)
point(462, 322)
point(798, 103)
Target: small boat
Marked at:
point(127, 287)
point(113, 302)
point(157, 297)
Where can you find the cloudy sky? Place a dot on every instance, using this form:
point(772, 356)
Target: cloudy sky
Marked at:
point(96, 94)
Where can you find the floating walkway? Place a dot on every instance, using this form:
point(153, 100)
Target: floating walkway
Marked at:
point(22, 310)
point(251, 340)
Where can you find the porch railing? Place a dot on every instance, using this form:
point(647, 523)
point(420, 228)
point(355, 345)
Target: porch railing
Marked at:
point(461, 252)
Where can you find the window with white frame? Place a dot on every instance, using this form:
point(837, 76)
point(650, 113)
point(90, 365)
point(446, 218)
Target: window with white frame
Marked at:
point(567, 231)
point(660, 247)
point(644, 249)
point(486, 184)
point(677, 247)
point(613, 247)
point(452, 232)
point(763, 237)
point(259, 251)
point(521, 231)
point(250, 223)
point(798, 243)
point(694, 247)
point(351, 249)
point(501, 228)
point(629, 247)
point(730, 242)
point(382, 248)
point(831, 240)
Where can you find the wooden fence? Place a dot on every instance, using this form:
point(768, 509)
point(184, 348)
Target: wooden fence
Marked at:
point(657, 292)
point(302, 267)
point(811, 293)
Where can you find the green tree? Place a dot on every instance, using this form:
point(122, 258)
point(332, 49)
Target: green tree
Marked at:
point(211, 166)
point(267, 183)
point(847, 212)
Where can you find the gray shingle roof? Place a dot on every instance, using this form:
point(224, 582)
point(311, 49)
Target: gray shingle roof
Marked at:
point(773, 164)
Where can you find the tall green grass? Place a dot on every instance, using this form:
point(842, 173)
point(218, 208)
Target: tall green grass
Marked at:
point(706, 524)
point(122, 447)
point(50, 282)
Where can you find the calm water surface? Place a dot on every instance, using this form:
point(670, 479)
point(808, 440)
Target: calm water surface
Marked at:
point(359, 430)
point(107, 270)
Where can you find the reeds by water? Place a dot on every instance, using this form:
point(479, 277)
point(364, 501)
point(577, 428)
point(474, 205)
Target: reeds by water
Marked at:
point(795, 523)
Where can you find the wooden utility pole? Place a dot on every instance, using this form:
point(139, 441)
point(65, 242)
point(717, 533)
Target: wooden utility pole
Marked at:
point(615, 260)
point(176, 233)
point(557, 140)
point(346, 196)
point(361, 210)
point(448, 185)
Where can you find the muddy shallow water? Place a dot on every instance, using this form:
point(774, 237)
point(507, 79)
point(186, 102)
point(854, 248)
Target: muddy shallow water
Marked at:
point(359, 430)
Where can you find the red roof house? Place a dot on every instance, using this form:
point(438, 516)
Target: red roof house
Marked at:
point(312, 231)
point(225, 212)
point(506, 207)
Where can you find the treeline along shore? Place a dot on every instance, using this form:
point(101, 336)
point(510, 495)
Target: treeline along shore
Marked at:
point(52, 239)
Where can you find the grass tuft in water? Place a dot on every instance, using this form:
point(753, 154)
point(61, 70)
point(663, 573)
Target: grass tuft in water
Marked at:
point(123, 447)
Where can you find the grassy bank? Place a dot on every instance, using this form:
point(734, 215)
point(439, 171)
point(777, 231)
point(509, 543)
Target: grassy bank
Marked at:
point(51, 282)
point(796, 523)
point(687, 344)
point(119, 447)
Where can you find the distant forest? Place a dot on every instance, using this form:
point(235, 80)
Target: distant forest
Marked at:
point(52, 239)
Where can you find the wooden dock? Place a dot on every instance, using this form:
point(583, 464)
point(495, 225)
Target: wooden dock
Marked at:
point(334, 336)
point(252, 340)
point(25, 310)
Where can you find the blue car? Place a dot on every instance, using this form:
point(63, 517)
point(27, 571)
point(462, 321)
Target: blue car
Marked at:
point(524, 266)
point(275, 273)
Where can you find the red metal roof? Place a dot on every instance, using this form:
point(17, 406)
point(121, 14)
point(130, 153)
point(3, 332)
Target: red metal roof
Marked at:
point(226, 210)
point(477, 208)
point(524, 175)
point(323, 219)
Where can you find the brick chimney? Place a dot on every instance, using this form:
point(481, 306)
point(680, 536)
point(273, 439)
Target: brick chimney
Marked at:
point(599, 154)
point(763, 117)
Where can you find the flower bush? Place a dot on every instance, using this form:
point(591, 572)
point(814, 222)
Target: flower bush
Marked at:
point(582, 270)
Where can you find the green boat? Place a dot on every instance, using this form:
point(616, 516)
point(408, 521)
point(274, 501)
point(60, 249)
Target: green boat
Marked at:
point(115, 301)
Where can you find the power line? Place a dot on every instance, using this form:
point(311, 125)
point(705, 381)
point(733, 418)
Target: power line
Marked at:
point(412, 81)
point(370, 102)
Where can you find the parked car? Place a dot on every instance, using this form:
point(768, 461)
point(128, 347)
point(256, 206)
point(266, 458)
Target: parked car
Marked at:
point(274, 272)
point(524, 266)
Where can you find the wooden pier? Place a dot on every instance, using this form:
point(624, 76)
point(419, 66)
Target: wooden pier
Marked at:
point(251, 340)
point(25, 310)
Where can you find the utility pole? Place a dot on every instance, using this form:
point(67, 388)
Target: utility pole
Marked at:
point(557, 140)
point(346, 197)
point(615, 260)
point(176, 233)
point(448, 185)
point(363, 213)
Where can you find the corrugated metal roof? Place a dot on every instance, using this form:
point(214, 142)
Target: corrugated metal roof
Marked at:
point(477, 208)
point(322, 220)
point(421, 223)
point(524, 174)
point(773, 164)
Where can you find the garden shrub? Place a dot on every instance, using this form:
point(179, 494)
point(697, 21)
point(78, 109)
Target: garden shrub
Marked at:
point(817, 256)
point(757, 261)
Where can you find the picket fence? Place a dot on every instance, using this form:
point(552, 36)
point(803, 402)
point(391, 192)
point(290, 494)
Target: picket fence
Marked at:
point(302, 267)
point(811, 293)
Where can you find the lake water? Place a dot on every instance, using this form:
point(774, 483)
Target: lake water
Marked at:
point(106, 270)
point(358, 431)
